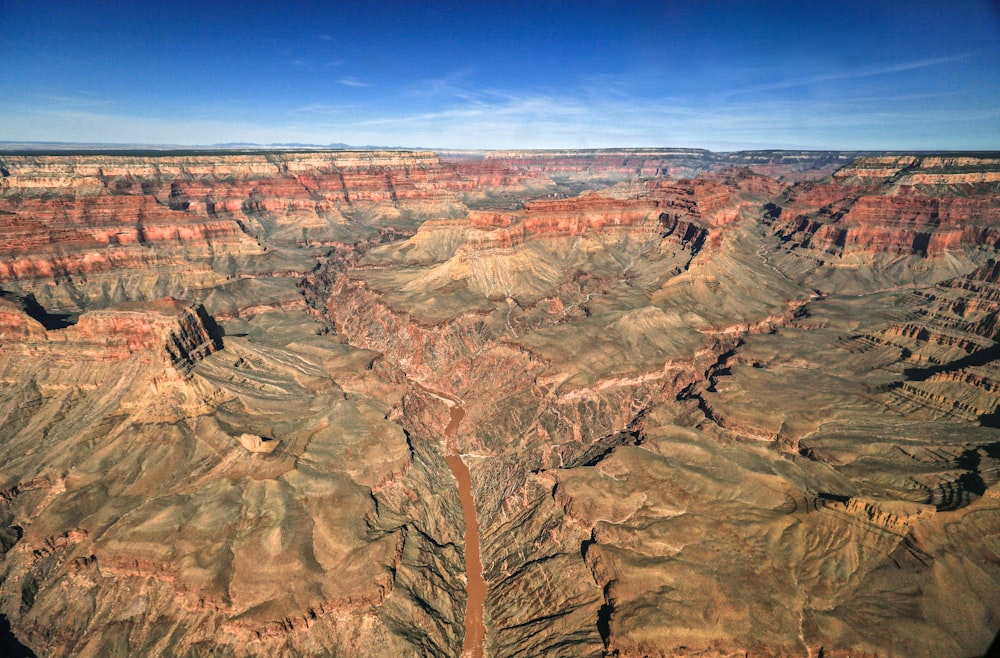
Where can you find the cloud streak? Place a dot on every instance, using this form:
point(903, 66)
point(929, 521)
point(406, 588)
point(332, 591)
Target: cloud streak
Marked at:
point(863, 72)
point(449, 113)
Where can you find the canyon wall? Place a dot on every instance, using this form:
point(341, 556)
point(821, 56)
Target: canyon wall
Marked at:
point(898, 205)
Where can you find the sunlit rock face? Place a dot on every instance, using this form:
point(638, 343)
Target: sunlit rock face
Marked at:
point(711, 404)
point(896, 205)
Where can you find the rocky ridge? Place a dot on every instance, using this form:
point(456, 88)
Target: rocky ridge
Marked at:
point(898, 205)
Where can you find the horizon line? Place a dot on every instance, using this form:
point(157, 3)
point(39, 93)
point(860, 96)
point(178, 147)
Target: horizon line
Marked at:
point(11, 147)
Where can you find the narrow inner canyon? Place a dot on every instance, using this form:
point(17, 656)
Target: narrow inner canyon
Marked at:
point(476, 588)
point(475, 628)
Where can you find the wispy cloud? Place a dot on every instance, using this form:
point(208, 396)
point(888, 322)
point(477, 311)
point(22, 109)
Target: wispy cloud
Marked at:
point(462, 115)
point(861, 72)
point(352, 82)
point(452, 85)
point(324, 37)
point(494, 119)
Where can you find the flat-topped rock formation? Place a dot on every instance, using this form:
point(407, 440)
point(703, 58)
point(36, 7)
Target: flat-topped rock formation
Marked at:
point(168, 331)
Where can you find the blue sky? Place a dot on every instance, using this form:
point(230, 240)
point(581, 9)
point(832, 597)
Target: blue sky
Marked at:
point(717, 75)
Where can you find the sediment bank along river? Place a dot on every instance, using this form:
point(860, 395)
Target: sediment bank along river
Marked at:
point(475, 627)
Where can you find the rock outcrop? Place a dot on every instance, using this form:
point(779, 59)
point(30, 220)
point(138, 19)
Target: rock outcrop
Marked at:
point(166, 331)
point(897, 205)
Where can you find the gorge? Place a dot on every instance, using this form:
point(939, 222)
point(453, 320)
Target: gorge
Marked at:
point(617, 402)
point(475, 630)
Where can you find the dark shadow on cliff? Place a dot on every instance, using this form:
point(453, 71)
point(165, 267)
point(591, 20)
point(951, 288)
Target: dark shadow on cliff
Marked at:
point(978, 358)
point(990, 420)
point(10, 646)
point(213, 328)
point(37, 312)
point(994, 649)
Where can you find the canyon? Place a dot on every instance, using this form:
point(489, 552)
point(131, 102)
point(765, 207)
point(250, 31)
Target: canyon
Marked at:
point(628, 402)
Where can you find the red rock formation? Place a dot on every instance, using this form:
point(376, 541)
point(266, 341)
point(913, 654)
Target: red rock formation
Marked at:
point(166, 331)
point(897, 205)
point(585, 213)
point(693, 208)
point(65, 216)
point(685, 210)
point(17, 325)
point(176, 329)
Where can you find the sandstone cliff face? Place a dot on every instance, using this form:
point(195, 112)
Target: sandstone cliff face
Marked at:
point(897, 205)
point(113, 228)
point(167, 332)
point(16, 325)
point(695, 423)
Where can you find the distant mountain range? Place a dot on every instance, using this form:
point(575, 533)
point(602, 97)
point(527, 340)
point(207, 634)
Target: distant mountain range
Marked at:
point(98, 146)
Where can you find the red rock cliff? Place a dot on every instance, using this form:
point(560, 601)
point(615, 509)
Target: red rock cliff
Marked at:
point(900, 205)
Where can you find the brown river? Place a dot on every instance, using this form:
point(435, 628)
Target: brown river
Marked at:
point(475, 628)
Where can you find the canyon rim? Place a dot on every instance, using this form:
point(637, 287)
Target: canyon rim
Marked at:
point(698, 403)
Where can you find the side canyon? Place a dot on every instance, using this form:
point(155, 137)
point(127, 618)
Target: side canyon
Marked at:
point(635, 402)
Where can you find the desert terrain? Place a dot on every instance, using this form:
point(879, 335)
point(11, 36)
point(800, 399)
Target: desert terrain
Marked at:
point(634, 402)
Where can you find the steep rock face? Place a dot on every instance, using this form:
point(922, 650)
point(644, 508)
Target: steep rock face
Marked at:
point(949, 346)
point(16, 325)
point(45, 238)
point(114, 227)
point(691, 209)
point(181, 333)
point(170, 332)
point(897, 205)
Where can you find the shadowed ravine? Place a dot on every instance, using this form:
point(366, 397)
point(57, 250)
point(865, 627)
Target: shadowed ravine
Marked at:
point(475, 629)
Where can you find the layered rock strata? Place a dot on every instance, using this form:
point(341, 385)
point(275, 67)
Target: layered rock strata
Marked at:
point(897, 205)
point(169, 332)
point(110, 228)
